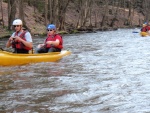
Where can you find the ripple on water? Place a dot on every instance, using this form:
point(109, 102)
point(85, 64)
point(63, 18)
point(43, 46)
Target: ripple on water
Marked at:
point(107, 72)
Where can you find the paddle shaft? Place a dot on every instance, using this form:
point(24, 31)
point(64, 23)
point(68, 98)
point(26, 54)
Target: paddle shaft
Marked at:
point(1, 49)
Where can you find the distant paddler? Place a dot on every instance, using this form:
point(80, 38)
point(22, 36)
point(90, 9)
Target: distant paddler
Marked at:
point(145, 31)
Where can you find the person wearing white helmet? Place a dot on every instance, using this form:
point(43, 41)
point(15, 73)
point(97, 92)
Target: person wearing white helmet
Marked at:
point(53, 42)
point(20, 40)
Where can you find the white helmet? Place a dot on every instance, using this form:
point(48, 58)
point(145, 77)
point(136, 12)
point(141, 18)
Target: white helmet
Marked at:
point(17, 22)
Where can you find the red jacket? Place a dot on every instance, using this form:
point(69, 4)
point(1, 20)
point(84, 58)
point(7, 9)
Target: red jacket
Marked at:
point(145, 29)
point(54, 38)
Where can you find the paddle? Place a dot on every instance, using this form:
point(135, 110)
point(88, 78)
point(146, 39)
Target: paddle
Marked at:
point(1, 49)
point(31, 51)
point(135, 32)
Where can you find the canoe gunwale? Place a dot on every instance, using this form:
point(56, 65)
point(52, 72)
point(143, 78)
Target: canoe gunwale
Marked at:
point(12, 59)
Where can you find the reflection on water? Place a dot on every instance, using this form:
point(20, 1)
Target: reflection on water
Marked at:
point(107, 72)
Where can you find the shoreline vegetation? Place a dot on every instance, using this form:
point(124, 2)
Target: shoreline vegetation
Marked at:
point(7, 33)
point(72, 16)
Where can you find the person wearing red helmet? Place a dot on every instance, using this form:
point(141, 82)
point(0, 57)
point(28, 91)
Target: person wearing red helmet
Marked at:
point(20, 40)
point(53, 42)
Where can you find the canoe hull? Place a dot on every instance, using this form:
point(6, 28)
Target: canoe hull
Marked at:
point(12, 59)
point(143, 34)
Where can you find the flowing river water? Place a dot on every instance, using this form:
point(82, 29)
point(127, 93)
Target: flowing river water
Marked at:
point(107, 72)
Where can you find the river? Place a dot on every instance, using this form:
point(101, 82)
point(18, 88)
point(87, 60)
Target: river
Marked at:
point(107, 72)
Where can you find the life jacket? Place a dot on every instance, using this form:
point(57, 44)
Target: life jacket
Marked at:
point(19, 45)
point(145, 29)
point(53, 38)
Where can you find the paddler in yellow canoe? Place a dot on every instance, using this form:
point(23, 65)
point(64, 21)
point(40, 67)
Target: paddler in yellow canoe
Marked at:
point(20, 40)
point(53, 42)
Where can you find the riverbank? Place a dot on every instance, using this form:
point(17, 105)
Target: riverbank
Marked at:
point(36, 25)
point(5, 33)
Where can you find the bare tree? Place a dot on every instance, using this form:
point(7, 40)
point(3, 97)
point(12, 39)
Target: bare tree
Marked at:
point(95, 17)
point(11, 12)
point(85, 12)
point(46, 8)
point(53, 11)
point(21, 10)
point(1, 19)
point(62, 4)
point(50, 11)
point(79, 10)
point(115, 14)
point(105, 13)
point(146, 4)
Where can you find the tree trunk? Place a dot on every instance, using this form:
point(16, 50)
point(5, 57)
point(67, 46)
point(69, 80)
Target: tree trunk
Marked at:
point(50, 11)
point(45, 14)
point(104, 15)
point(87, 9)
point(147, 9)
point(21, 13)
point(80, 19)
point(1, 19)
point(85, 12)
point(124, 7)
point(90, 16)
point(56, 13)
point(21, 10)
point(115, 15)
point(95, 13)
point(62, 11)
point(130, 13)
point(11, 12)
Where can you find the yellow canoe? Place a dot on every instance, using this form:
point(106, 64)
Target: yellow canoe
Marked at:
point(144, 34)
point(12, 59)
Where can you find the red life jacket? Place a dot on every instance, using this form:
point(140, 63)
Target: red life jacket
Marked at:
point(18, 44)
point(145, 29)
point(53, 38)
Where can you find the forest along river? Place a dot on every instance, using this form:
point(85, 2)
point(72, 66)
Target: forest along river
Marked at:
point(107, 72)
